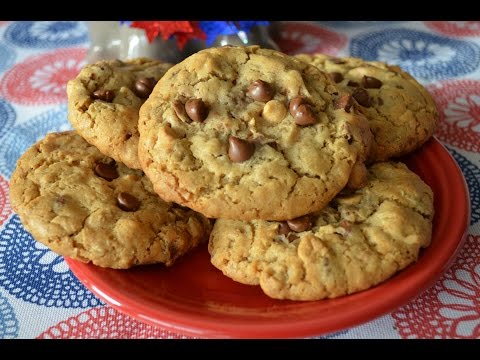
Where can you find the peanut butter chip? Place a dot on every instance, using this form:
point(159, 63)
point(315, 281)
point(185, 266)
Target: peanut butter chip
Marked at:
point(127, 202)
point(344, 102)
point(144, 86)
point(369, 82)
point(260, 90)
point(105, 95)
point(304, 115)
point(358, 177)
point(239, 150)
point(106, 171)
point(362, 97)
point(274, 111)
point(300, 224)
point(196, 110)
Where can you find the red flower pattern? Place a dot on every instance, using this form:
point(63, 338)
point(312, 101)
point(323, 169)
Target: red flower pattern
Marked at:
point(455, 28)
point(42, 79)
point(459, 106)
point(451, 308)
point(5, 209)
point(105, 323)
point(302, 37)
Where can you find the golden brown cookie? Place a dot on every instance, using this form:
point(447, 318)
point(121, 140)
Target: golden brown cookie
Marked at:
point(401, 112)
point(82, 204)
point(245, 133)
point(361, 239)
point(104, 100)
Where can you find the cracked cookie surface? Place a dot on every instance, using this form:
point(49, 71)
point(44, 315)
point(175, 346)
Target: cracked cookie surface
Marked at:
point(82, 204)
point(104, 100)
point(401, 112)
point(245, 133)
point(361, 239)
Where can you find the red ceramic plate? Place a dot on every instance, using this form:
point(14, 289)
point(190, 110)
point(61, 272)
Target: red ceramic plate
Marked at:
point(196, 299)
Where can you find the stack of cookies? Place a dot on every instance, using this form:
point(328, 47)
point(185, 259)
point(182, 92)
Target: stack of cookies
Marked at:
point(287, 157)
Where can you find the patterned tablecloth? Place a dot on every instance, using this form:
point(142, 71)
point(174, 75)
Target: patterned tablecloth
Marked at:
point(41, 298)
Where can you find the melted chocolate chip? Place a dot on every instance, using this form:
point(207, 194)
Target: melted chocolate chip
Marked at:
point(260, 90)
point(196, 110)
point(369, 82)
point(336, 76)
point(352, 83)
point(362, 97)
point(127, 202)
point(105, 95)
point(283, 228)
point(239, 150)
point(294, 103)
point(106, 171)
point(304, 115)
point(300, 224)
point(144, 86)
point(344, 102)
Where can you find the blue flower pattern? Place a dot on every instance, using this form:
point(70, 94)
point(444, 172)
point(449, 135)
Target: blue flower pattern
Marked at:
point(472, 177)
point(424, 55)
point(7, 55)
point(32, 272)
point(8, 320)
point(21, 137)
point(7, 117)
point(46, 34)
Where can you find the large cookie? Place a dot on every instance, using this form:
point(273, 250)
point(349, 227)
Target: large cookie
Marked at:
point(401, 113)
point(82, 204)
point(248, 133)
point(358, 241)
point(104, 100)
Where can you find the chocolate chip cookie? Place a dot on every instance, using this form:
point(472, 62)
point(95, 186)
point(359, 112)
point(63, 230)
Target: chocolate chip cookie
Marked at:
point(401, 113)
point(104, 100)
point(82, 204)
point(359, 240)
point(248, 133)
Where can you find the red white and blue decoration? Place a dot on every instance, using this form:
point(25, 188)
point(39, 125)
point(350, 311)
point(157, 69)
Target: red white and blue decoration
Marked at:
point(41, 298)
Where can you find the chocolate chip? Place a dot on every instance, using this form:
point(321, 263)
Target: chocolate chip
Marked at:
point(336, 76)
point(344, 102)
point(105, 95)
point(294, 103)
point(369, 82)
point(352, 83)
point(362, 97)
point(196, 110)
point(144, 86)
point(106, 171)
point(283, 228)
point(260, 90)
point(127, 202)
point(304, 115)
point(179, 109)
point(239, 150)
point(300, 224)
